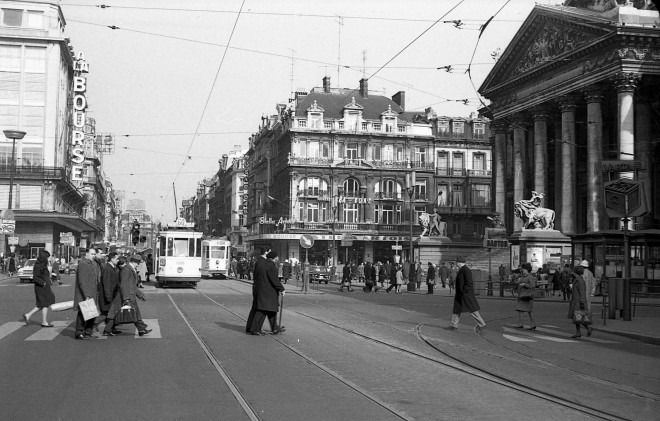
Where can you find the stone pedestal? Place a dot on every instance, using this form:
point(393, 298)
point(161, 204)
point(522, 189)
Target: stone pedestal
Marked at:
point(432, 249)
point(540, 247)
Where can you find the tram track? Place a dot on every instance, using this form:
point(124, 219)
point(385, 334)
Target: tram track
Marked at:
point(454, 363)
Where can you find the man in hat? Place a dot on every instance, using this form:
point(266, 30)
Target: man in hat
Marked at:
point(589, 281)
point(87, 280)
point(266, 289)
point(129, 294)
point(253, 310)
point(464, 299)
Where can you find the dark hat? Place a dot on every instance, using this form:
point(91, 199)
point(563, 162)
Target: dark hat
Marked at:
point(527, 266)
point(136, 258)
point(271, 255)
point(461, 259)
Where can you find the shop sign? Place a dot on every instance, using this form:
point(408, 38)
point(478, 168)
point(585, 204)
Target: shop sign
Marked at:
point(81, 68)
point(397, 247)
point(12, 241)
point(621, 166)
point(8, 226)
point(496, 244)
point(270, 221)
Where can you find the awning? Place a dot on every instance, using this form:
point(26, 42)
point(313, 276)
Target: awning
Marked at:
point(70, 221)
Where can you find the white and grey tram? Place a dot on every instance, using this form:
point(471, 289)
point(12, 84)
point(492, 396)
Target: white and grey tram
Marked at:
point(178, 255)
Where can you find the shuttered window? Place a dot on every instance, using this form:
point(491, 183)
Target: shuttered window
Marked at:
point(29, 197)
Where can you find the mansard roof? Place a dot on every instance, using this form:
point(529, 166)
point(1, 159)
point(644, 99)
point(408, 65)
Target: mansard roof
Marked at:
point(334, 103)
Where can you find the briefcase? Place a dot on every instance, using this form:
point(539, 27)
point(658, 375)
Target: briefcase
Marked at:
point(126, 314)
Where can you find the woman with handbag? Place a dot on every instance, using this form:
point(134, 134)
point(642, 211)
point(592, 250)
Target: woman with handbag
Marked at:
point(577, 310)
point(525, 302)
point(44, 295)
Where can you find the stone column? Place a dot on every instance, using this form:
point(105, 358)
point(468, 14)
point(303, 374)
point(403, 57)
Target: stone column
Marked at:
point(499, 149)
point(568, 212)
point(518, 127)
point(596, 216)
point(643, 149)
point(625, 84)
point(540, 115)
point(558, 191)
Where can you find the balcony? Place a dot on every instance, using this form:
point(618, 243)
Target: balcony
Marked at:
point(479, 173)
point(390, 164)
point(33, 172)
point(315, 193)
point(451, 172)
point(296, 160)
point(387, 195)
point(418, 165)
point(465, 210)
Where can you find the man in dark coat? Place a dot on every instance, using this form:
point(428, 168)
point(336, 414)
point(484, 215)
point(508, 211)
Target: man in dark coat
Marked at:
point(464, 299)
point(267, 287)
point(109, 286)
point(430, 278)
point(261, 259)
point(128, 295)
point(87, 281)
point(345, 279)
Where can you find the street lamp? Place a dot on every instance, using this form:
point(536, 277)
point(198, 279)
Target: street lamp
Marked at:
point(410, 188)
point(13, 135)
point(335, 209)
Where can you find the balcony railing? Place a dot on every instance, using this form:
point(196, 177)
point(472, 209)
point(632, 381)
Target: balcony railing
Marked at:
point(321, 194)
point(297, 160)
point(390, 164)
point(465, 210)
point(386, 195)
point(479, 173)
point(33, 172)
point(423, 165)
point(451, 172)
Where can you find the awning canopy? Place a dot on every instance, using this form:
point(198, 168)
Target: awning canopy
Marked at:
point(70, 221)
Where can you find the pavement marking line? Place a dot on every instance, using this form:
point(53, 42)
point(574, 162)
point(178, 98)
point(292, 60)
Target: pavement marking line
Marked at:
point(527, 333)
point(516, 339)
point(585, 338)
point(49, 333)
point(155, 330)
point(9, 328)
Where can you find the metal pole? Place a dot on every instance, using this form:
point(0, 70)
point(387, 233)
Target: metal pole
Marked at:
point(490, 277)
point(11, 171)
point(626, 267)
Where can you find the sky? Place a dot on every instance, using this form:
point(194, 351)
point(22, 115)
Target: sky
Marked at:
point(181, 82)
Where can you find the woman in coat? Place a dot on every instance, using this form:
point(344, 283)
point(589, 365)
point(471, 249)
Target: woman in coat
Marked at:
point(578, 300)
point(11, 266)
point(525, 302)
point(419, 274)
point(42, 291)
point(430, 278)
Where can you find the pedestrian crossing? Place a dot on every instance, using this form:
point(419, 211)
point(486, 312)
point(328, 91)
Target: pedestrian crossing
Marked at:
point(547, 333)
point(10, 329)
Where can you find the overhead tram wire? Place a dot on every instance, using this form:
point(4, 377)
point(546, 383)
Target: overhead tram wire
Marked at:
point(208, 99)
point(287, 57)
point(296, 15)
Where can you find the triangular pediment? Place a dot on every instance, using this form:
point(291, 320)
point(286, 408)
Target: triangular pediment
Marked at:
point(548, 38)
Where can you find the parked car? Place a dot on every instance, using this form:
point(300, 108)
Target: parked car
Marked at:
point(319, 274)
point(25, 273)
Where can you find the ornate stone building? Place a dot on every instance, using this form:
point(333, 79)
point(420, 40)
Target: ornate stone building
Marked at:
point(578, 86)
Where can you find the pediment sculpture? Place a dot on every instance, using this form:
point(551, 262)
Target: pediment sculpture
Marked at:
point(533, 215)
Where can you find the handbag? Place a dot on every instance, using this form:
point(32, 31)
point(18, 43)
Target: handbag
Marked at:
point(89, 309)
point(126, 314)
point(581, 317)
point(526, 294)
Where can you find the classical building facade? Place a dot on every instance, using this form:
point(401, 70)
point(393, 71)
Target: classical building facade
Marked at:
point(578, 88)
point(355, 171)
point(42, 93)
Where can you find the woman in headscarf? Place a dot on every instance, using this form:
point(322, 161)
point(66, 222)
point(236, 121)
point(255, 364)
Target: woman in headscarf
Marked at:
point(525, 302)
point(578, 300)
point(44, 295)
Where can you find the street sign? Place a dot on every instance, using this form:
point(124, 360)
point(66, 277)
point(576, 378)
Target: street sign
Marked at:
point(625, 198)
point(12, 241)
point(499, 243)
point(8, 226)
point(621, 166)
point(306, 241)
point(397, 247)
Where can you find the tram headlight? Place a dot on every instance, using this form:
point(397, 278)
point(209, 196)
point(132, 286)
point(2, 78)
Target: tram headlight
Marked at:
point(179, 269)
point(217, 262)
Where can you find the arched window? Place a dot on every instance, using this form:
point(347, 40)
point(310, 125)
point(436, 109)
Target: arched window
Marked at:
point(351, 187)
point(388, 189)
point(312, 186)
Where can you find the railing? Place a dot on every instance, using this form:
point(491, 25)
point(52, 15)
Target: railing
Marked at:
point(465, 210)
point(313, 193)
point(296, 160)
point(451, 172)
point(423, 165)
point(33, 172)
point(349, 162)
point(479, 173)
point(390, 164)
point(388, 195)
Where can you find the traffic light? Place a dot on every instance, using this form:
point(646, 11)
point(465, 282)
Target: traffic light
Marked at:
point(135, 232)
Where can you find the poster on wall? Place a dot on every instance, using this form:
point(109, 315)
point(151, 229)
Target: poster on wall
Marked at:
point(535, 257)
point(553, 255)
point(515, 256)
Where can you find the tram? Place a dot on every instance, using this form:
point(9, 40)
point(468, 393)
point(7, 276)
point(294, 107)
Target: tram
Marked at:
point(178, 254)
point(215, 258)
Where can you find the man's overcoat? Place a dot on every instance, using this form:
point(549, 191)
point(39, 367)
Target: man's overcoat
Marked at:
point(464, 299)
point(267, 285)
point(109, 287)
point(87, 281)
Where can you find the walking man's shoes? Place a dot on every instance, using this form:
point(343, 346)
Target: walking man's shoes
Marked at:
point(449, 328)
point(80, 336)
point(256, 333)
point(107, 333)
point(144, 332)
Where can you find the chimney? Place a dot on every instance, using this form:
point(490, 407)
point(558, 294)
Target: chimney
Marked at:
point(400, 99)
point(364, 89)
point(326, 84)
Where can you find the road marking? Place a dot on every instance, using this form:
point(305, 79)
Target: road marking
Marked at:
point(49, 333)
point(9, 328)
point(155, 330)
point(528, 333)
point(584, 338)
point(517, 339)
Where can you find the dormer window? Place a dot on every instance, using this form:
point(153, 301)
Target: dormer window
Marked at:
point(352, 115)
point(389, 119)
point(458, 128)
point(443, 127)
point(478, 130)
point(315, 116)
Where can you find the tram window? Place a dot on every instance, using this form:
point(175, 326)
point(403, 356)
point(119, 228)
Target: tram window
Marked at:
point(170, 246)
point(191, 247)
point(162, 247)
point(198, 247)
point(180, 247)
point(205, 252)
point(218, 252)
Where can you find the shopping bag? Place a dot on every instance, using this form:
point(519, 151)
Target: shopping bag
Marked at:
point(126, 314)
point(89, 309)
point(66, 305)
point(582, 317)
